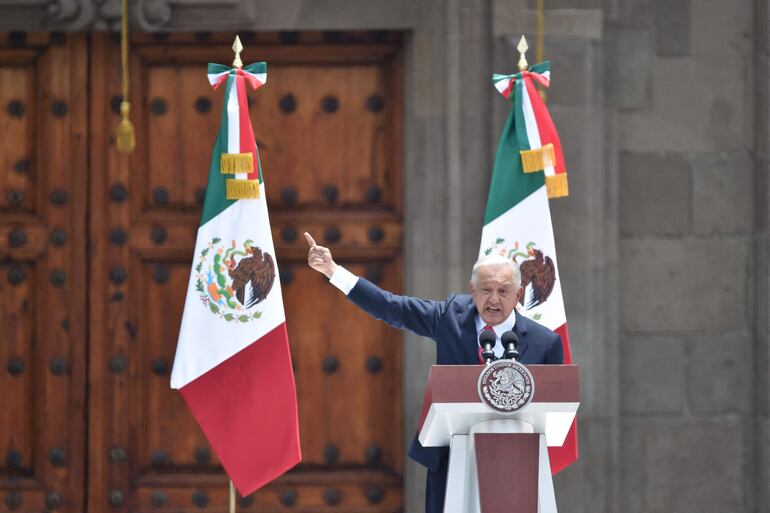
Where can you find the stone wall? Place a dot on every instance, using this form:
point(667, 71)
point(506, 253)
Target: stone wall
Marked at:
point(662, 106)
point(690, 259)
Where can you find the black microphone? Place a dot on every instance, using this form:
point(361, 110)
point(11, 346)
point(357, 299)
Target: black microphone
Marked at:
point(488, 339)
point(510, 343)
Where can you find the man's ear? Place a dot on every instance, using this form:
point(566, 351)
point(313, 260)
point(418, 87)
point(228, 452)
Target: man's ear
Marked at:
point(470, 284)
point(519, 294)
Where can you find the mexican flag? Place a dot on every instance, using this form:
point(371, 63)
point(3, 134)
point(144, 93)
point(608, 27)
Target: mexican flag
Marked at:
point(529, 168)
point(232, 364)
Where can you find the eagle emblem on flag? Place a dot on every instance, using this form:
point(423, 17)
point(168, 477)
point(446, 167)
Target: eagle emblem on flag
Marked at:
point(538, 273)
point(232, 279)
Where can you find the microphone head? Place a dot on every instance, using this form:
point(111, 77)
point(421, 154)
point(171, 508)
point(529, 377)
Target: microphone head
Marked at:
point(509, 337)
point(487, 337)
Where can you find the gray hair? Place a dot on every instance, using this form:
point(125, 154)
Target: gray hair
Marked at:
point(496, 260)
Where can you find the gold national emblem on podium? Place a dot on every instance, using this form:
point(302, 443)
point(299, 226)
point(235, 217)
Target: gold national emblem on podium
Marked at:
point(506, 386)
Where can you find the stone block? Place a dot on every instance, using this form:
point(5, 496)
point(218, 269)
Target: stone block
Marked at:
point(719, 374)
point(762, 351)
point(762, 103)
point(654, 193)
point(683, 285)
point(577, 219)
point(652, 375)
point(682, 466)
point(723, 193)
point(762, 384)
point(725, 31)
point(582, 488)
point(632, 473)
point(629, 67)
point(569, 4)
point(512, 19)
point(426, 93)
point(764, 440)
point(694, 108)
point(425, 206)
point(635, 13)
point(572, 71)
point(672, 27)
point(229, 15)
point(365, 14)
point(504, 57)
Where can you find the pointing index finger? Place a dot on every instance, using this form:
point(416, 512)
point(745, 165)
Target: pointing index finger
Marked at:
point(310, 240)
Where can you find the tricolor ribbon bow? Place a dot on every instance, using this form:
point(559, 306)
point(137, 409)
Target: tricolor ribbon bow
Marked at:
point(544, 79)
point(254, 74)
point(235, 151)
point(539, 145)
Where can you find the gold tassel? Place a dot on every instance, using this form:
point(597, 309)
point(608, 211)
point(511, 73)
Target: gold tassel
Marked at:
point(538, 159)
point(557, 185)
point(232, 163)
point(242, 189)
point(125, 137)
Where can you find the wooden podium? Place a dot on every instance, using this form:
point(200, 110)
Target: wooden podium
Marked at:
point(498, 462)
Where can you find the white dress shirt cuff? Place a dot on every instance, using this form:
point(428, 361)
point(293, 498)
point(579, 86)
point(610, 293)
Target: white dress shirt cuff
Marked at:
point(343, 279)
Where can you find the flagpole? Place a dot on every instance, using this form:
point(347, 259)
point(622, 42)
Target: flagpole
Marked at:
point(237, 63)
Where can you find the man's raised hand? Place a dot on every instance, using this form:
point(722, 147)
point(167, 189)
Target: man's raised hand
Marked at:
point(319, 257)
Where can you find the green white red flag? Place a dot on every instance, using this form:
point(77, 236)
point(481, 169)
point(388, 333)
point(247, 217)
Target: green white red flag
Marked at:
point(517, 221)
point(232, 363)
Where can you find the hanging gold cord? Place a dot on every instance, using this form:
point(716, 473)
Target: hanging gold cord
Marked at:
point(125, 137)
point(540, 36)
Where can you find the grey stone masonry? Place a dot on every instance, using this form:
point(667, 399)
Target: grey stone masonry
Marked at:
point(723, 193)
point(688, 285)
point(693, 279)
point(672, 27)
point(683, 465)
point(629, 66)
point(718, 380)
point(648, 356)
point(654, 194)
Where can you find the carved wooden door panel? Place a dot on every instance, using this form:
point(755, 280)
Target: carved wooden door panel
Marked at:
point(328, 126)
point(43, 271)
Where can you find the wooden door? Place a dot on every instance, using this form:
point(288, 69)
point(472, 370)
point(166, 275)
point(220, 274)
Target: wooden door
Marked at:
point(328, 127)
point(43, 271)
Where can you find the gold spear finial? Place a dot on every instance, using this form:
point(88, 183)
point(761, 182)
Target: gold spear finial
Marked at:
point(522, 48)
point(237, 48)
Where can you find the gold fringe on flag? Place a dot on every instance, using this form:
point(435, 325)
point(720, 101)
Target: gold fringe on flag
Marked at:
point(557, 185)
point(538, 159)
point(242, 189)
point(232, 163)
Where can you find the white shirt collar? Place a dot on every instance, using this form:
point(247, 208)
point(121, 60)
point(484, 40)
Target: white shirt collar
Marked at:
point(506, 325)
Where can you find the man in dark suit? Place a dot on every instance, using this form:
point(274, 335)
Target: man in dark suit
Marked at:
point(455, 325)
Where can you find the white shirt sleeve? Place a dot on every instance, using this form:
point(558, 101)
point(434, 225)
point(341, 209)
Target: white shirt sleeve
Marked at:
point(343, 279)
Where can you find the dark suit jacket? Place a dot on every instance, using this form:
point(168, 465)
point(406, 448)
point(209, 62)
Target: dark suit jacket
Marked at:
point(452, 324)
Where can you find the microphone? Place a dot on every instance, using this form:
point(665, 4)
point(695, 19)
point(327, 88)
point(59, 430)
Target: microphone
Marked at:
point(488, 339)
point(510, 343)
